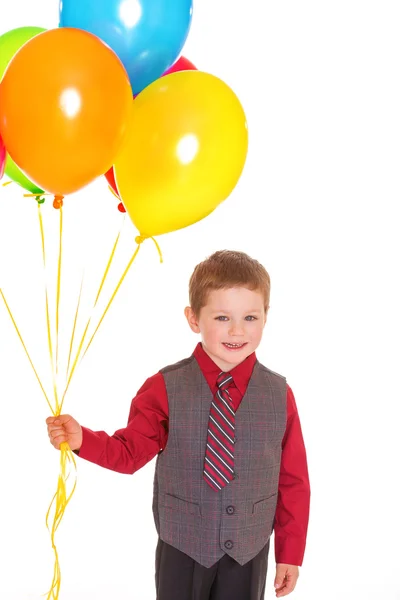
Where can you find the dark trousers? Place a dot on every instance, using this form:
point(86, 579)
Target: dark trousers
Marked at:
point(179, 577)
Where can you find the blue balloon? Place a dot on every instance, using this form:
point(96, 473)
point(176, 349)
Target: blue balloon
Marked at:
point(147, 35)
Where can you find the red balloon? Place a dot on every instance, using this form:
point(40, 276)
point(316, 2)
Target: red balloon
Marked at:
point(2, 157)
point(111, 180)
point(182, 64)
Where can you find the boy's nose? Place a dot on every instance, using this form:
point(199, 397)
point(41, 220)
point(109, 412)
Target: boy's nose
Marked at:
point(236, 330)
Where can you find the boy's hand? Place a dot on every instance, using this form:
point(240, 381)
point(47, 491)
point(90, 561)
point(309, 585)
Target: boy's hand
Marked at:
point(285, 579)
point(64, 429)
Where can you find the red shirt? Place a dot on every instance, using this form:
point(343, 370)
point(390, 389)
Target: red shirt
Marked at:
point(146, 435)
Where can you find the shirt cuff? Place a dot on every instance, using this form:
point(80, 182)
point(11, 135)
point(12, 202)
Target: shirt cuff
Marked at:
point(289, 551)
point(92, 446)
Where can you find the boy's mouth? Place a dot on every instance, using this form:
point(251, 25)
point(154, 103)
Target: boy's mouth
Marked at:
point(234, 347)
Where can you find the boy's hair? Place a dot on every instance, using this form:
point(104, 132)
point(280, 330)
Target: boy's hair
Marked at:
point(225, 269)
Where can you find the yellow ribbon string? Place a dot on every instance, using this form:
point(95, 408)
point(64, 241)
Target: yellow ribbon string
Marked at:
point(139, 240)
point(112, 298)
point(106, 271)
point(40, 194)
point(102, 317)
point(74, 327)
point(60, 500)
point(112, 191)
point(158, 249)
point(6, 183)
point(50, 345)
point(26, 350)
point(58, 288)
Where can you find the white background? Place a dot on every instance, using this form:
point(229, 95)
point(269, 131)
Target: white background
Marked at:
point(318, 205)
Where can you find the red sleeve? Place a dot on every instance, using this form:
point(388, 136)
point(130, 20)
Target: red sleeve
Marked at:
point(292, 512)
point(129, 449)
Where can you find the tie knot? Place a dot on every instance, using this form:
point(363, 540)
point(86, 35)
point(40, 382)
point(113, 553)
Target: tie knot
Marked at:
point(224, 380)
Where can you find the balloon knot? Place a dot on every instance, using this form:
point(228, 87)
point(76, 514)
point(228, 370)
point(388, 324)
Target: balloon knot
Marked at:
point(140, 239)
point(121, 207)
point(58, 201)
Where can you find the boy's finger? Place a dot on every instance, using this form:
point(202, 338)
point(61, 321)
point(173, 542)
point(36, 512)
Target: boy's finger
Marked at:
point(55, 428)
point(55, 436)
point(60, 437)
point(281, 585)
point(286, 590)
point(282, 590)
point(60, 420)
point(58, 431)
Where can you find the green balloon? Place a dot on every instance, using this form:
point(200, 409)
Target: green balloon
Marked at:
point(15, 173)
point(10, 43)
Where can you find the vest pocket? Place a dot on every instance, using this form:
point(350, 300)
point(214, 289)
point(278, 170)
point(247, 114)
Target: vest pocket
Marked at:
point(264, 503)
point(182, 505)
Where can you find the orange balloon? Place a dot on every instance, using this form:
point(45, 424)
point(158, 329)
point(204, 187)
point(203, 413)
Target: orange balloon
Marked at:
point(65, 104)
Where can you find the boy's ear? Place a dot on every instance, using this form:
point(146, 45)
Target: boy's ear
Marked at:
point(192, 319)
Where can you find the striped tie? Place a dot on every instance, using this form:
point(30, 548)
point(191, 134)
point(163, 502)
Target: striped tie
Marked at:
point(219, 459)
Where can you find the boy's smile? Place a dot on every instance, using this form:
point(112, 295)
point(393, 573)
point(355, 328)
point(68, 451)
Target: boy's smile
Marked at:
point(234, 346)
point(231, 324)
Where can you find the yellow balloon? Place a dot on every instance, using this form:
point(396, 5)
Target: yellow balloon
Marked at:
point(184, 151)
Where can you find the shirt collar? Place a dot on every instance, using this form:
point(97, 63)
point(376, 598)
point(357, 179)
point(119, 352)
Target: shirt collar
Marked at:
point(241, 373)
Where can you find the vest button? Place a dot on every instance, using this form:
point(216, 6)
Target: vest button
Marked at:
point(228, 544)
point(230, 510)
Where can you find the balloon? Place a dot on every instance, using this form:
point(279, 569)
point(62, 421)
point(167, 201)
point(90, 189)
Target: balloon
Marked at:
point(16, 175)
point(2, 157)
point(182, 64)
point(111, 180)
point(61, 119)
point(184, 151)
point(147, 35)
point(12, 41)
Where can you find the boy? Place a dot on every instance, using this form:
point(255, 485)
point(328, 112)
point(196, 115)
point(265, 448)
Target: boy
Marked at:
point(231, 463)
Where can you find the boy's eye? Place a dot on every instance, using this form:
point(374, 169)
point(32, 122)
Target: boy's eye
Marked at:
point(248, 318)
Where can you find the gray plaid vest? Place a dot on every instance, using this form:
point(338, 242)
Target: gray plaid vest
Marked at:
point(238, 520)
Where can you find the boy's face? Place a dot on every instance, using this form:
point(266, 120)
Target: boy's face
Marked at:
point(231, 325)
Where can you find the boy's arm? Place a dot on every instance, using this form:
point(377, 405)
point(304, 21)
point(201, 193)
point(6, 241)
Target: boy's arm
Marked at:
point(130, 448)
point(292, 511)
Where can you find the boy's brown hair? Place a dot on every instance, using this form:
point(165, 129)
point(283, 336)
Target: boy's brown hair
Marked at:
point(225, 269)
